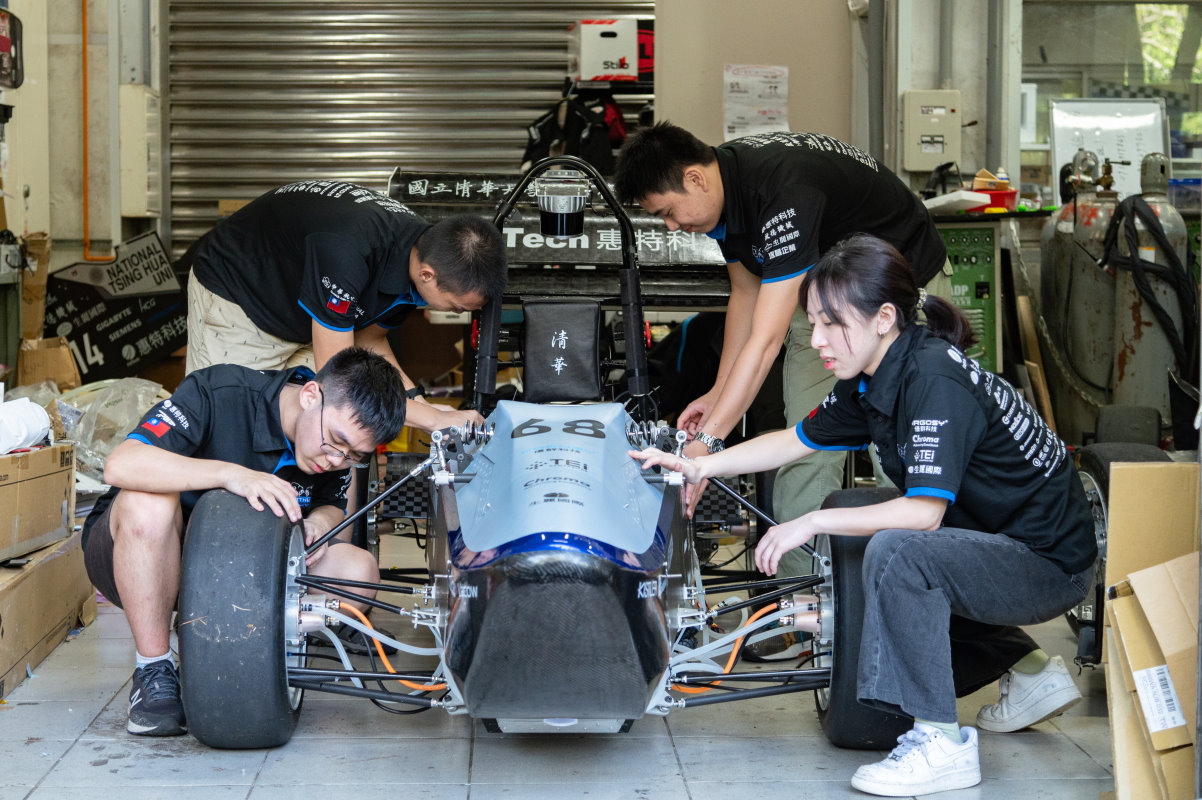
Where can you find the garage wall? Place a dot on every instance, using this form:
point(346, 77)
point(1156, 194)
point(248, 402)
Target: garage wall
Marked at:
point(265, 92)
point(695, 38)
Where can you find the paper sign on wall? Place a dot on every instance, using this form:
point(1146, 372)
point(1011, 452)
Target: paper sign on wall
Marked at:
point(756, 99)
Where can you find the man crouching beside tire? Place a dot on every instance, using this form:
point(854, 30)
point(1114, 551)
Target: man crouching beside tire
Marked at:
point(284, 440)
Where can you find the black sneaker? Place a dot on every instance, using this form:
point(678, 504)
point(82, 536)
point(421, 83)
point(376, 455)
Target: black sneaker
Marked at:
point(155, 708)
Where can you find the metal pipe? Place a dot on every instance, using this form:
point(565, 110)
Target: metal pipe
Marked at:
point(993, 86)
point(374, 694)
point(755, 510)
point(783, 674)
point(312, 672)
point(876, 79)
point(311, 583)
point(745, 694)
point(799, 581)
point(353, 518)
point(945, 43)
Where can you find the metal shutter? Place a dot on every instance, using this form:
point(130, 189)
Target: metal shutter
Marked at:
point(266, 92)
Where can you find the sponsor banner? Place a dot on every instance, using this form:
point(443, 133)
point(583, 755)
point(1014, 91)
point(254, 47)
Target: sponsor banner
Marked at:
point(121, 315)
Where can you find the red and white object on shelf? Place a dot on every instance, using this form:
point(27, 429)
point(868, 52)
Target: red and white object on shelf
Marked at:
point(604, 50)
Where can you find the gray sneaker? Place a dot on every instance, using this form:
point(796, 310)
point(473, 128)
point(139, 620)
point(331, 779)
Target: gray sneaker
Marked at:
point(155, 708)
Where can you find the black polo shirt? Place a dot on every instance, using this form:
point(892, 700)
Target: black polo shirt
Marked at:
point(318, 250)
point(944, 427)
point(790, 197)
point(231, 413)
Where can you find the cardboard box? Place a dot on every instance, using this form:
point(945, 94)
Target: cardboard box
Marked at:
point(47, 360)
point(1152, 514)
point(1134, 777)
point(604, 50)
point(37, 499)
point(1150, 734)
point(984, 179)
point(1153, 519)
point(33, 285)
point(39, 604)
point(1168, 595)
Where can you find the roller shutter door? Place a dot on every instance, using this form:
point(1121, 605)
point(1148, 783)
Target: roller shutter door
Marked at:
point(266, 92)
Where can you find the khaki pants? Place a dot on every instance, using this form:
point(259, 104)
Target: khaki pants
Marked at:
point(219, 332)
point(802, 485)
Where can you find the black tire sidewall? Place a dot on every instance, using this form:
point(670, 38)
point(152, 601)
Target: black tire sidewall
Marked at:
point(231, 631)
point(845, 720)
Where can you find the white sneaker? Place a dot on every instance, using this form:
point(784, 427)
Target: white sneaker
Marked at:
point(924, 761)
point(1028, 699)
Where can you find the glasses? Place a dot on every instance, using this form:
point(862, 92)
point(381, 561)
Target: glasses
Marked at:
point(351, 459)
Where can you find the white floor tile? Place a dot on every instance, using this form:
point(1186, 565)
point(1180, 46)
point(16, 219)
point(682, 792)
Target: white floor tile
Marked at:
point(665, 789)
point(102, 765)
point(788, 758)
point(773, 789)
point(368, 761)
point(359, 791)
point(149, 791)
point(572, 760)
point(62, 682)
point(26, 761)
point(47, 719)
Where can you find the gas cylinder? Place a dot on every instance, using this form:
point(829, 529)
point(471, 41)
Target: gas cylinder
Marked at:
point(1078, 298)
point(1142, 354)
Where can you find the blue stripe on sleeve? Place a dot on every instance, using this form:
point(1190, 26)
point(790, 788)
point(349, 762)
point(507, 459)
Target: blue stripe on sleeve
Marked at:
point(806, 441)
point(319, 322)
point(926, 491)
point(786, 277)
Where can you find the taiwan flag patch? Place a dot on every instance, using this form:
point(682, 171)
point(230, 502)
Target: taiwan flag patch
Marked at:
point(157, 426)
point(338, 306)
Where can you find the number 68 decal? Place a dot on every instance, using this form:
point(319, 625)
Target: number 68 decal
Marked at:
point(591, 428)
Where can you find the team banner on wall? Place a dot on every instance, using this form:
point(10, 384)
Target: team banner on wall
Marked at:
point(438, 194)
point(121, 315)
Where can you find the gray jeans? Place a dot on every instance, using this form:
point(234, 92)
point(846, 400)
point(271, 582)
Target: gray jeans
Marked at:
point(940, 614)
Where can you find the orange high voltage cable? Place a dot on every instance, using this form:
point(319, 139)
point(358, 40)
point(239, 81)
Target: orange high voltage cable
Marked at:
point(730, 662)
point(430, 687)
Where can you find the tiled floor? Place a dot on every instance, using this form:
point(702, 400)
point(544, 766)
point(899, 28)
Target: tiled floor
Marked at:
point(62, 734)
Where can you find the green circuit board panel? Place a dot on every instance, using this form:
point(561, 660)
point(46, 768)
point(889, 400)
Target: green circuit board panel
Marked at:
point(975, 254)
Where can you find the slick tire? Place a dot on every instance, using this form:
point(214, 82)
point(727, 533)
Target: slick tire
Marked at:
point(845, 721)
point(236, 640)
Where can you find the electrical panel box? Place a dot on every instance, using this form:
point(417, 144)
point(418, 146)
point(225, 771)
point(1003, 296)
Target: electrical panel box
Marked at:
point(974, 251)
point(930, 128)
point(141, 151)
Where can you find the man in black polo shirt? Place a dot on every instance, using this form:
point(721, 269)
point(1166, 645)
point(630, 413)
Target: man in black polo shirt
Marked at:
point(310, 268)
point(774, 202)
point(283, 440)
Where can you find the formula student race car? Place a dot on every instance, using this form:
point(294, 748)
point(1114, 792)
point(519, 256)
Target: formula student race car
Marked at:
point(564, 589)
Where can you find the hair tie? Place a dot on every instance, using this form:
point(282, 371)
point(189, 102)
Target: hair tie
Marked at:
point(922, 299)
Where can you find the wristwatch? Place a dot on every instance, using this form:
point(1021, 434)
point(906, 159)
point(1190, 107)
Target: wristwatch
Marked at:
point(415, 392)
point(712, 443)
